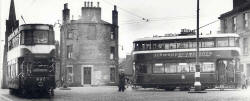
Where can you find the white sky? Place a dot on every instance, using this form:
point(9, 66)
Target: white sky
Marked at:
point(172, 16)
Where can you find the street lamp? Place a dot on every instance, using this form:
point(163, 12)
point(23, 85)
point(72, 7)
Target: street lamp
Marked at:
point(197, 83)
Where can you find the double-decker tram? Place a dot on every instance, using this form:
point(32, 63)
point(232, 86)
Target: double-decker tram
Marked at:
point(169, 62)
point(30, 57)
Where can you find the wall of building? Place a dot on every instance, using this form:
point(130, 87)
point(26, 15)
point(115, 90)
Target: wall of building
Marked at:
point(244, 32)
point(91, 41)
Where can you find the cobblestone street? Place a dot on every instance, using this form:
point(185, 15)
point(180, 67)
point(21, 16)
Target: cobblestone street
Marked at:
point(108, 93)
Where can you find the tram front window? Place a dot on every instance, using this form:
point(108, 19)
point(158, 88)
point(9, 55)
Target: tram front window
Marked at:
point(34, 37)
point(40, 37)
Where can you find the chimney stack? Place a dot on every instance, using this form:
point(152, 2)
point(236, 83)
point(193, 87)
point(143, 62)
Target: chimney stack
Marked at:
point(66, 13)
point(237, 3)
point(115, 16)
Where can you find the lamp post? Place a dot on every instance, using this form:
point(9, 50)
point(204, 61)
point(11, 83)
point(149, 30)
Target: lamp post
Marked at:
point(197, 83)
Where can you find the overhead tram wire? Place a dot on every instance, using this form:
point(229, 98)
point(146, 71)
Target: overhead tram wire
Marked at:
point(131, 13)
point(143, 19)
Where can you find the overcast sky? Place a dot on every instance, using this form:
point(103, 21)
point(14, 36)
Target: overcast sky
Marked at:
point(165, 16)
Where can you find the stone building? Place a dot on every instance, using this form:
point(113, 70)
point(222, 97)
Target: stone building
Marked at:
point(237, 21)
point(89, 47)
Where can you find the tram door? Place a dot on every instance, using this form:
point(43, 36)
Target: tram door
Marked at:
point(225, 71)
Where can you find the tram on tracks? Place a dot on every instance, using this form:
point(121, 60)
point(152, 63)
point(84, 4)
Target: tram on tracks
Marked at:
point(31, 60)
point(169, 62)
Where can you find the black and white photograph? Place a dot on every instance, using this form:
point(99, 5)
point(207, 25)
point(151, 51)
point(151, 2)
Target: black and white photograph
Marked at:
point(124, 50)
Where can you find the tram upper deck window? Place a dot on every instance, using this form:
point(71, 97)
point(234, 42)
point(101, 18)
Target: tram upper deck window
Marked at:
point(182, 45)
point(172, 46)
point(233, 41)
point(166, 46)
point(207, 43)
point(222, 42)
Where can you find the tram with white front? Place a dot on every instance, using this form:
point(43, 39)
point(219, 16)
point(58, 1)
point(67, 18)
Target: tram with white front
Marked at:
point(31, 60)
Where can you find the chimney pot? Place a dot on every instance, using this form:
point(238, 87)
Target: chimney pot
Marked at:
point(98, 3)
point(91, 3)
point(115, 7)
point(85, 4)
point(66, 6)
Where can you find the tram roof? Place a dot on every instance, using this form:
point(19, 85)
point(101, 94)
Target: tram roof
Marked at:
point(187, 37)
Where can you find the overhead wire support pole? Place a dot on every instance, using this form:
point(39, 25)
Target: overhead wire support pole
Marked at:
point(197, 83)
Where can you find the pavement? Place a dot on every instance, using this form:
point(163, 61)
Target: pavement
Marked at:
point(110, 93)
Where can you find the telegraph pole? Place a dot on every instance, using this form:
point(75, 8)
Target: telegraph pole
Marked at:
point(197, 83)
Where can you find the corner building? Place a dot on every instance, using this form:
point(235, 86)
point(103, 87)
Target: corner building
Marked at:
point(89, 47)
point(238, 21)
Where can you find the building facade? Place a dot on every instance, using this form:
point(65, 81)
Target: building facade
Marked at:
point(237, 21)
point(89, 47)
point(11, 24)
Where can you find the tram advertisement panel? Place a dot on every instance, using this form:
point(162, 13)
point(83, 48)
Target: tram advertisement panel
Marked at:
point(173, 55)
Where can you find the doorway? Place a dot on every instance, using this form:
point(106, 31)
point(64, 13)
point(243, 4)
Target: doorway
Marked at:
point(86, 75)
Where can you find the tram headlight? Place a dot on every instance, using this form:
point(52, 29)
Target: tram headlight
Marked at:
point(38, 79)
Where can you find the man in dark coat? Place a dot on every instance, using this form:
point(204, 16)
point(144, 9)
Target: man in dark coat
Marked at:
point(121, 84)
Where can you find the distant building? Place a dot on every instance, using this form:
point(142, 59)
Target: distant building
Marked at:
point(11, 24)
point(89, 47)
point(237, 21)
point(127, 65)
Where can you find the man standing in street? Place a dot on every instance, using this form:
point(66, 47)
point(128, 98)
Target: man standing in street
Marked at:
point(121, 84)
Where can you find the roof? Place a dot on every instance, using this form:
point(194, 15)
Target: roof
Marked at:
point(243, 7)
point(187, 37)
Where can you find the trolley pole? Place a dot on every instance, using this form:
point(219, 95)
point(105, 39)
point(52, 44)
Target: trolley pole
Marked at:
point(197, 83)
